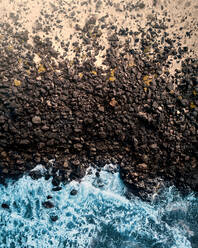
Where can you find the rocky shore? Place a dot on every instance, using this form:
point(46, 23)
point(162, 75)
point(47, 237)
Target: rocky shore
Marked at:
point(70, 114)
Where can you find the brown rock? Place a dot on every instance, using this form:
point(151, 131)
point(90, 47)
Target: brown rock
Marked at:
point(50, 142)
point(93, 149)
point(102, 135)
point(154, 146)
point(113, 102)
point(101, 108)
point(78, 146)
point(24, 142)
point(142, 166)
point(4, 154)
point(65, 164)
point(45, 128)
point(2, 119)
point(36, 120)
point(76, 162)
point(77, 130)
point(19, 162)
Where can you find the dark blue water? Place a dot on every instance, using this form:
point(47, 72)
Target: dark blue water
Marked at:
point(99, 215)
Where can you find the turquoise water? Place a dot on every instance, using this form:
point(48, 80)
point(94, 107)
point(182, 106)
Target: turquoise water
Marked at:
point(99, 215)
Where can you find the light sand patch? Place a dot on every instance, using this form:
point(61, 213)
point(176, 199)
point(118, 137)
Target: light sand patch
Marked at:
point(63, 22)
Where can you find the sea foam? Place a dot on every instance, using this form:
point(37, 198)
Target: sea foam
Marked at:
point(98, 216)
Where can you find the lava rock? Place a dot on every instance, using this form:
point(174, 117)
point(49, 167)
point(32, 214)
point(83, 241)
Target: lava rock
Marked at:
point(5, 206)
point(54, 218)
point(142, 166)
point(48, 204)
point(56, 181)
point(192, 180)
point(36, 120)
point(35, 174)
point(57, 188)
point(73, 192)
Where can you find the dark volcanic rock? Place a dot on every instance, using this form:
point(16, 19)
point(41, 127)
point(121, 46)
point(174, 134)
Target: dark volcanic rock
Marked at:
point(36, 120)
point(5, 206)
point(79, 115)
point(57, 188)
point(48, 204)
point(54, 218)
point(56, 181)
point(192, 180)
point(73, 192)
point(36, 174)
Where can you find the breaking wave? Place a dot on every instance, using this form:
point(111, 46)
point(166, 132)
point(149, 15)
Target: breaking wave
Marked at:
point(97, 214)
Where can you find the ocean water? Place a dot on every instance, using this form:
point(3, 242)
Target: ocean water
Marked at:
point(98, 216)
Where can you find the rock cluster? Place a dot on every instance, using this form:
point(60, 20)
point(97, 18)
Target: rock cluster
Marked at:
point(132, 113)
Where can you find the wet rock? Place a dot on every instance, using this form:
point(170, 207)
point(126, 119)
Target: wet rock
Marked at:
point(73, 192)
point(36, 174)
point(54, 218)
point(5, 206)
point(56, 180)
point(57, 188)
point(97, 174)
point(98, 182)
point(47, 176)
point(48, 204)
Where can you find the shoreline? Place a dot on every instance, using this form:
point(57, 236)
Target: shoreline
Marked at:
point(81, 114)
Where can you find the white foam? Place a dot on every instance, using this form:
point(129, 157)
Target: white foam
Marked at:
point(94, 217)
point(40, 168)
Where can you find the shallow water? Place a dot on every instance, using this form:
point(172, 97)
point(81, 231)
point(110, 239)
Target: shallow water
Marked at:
point(99, 215)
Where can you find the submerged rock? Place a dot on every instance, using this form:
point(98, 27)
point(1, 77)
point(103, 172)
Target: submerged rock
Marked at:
point(5, 206)
point(57, 188)
point(48, 204)
point(54, 218)
point(73, 192)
